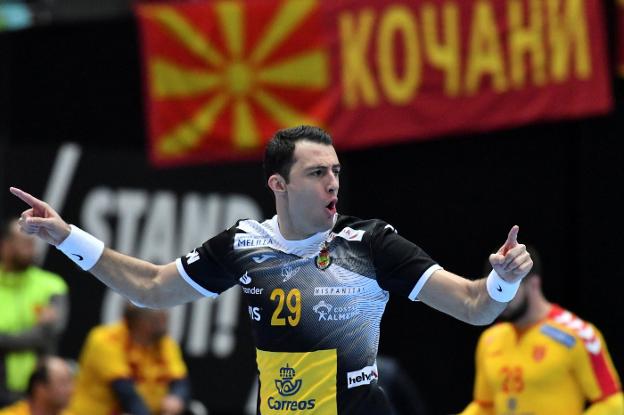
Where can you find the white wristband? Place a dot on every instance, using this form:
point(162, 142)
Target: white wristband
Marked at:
point(82, 248)
point(499, 289)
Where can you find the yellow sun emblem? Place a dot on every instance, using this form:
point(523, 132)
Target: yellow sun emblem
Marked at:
point(231, 77)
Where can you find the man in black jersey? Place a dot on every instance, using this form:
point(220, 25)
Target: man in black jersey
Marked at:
point(316, 282)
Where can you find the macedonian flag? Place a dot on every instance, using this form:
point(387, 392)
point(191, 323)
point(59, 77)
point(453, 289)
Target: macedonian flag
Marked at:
point(221, 76)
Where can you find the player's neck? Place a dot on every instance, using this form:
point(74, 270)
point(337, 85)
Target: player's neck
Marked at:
point(289, 230)
point(142, 340)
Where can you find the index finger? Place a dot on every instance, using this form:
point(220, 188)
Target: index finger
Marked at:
point(512, 239)
point(27, 198)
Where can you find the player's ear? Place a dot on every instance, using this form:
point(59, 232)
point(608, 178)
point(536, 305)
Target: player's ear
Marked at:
point(277, 183)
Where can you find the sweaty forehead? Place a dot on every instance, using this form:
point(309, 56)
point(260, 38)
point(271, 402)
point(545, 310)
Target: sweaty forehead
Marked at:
point(308, 154)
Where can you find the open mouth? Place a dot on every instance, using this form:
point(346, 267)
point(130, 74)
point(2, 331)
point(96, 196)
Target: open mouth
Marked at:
point(331, 206)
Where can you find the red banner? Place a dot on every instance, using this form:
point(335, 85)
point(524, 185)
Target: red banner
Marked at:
point(222, 76)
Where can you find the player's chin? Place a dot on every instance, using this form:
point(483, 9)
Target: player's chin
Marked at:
point(325, 223)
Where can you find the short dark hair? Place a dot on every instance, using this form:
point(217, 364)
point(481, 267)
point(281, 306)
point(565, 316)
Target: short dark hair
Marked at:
point(39, 376)
point(279, 153)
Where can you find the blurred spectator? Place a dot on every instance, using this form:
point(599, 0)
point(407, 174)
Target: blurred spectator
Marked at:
point(49, 388)
point(543, 360)
point(33, 306)
point(131, 366)
point(404, 397)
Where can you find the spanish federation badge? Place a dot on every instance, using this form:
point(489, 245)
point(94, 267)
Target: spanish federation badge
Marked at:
point(323, 260)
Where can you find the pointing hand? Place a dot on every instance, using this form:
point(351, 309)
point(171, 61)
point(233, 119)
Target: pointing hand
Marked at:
point(512, 261)
point(41, 220)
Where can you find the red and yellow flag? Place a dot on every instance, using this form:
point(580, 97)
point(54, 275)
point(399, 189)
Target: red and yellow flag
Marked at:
point(222, 75)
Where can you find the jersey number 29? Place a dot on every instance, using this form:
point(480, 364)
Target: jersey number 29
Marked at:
point(293, 304)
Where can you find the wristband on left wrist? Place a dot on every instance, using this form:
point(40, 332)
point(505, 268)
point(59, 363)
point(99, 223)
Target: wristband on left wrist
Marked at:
point(499, 289)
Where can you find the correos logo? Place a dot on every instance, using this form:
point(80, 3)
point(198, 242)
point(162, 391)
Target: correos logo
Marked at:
point(288, 386)
point(285, 385)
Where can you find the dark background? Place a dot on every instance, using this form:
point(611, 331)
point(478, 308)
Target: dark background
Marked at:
point(456, 197)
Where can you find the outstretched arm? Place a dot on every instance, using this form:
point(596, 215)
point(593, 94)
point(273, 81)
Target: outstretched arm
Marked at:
point(142, 282)
point(472, 301)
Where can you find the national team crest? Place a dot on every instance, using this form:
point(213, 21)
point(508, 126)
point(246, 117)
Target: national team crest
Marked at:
point(323, 260)
point(539, 352)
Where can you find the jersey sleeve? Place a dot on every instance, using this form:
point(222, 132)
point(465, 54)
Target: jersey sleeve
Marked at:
point(402, 267)
point(205, 268)
point(593, 366)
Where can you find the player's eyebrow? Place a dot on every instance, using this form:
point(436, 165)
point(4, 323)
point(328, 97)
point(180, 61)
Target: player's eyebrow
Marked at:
point(324, 167)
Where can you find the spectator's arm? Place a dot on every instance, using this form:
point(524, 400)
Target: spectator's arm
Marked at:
point(178, 397)
point(33, 338)
point(129, 399)
point(181, 388)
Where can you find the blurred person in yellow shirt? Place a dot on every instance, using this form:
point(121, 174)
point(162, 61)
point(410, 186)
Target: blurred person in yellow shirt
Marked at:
point(131, 366)
point(543, 360)
point(34, 307)
point(49, 389)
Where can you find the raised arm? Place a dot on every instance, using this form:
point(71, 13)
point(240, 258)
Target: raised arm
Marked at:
point(142, 282)
point(473, 301)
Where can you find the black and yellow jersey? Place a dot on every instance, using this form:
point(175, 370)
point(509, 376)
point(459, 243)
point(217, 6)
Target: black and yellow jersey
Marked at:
point(315, 306)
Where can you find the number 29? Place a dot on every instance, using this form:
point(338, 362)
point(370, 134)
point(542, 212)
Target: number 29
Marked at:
point(292, 300)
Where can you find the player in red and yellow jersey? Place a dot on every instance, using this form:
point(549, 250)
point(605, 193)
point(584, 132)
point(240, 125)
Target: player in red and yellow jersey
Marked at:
point(131, 367)
point(543, 361)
